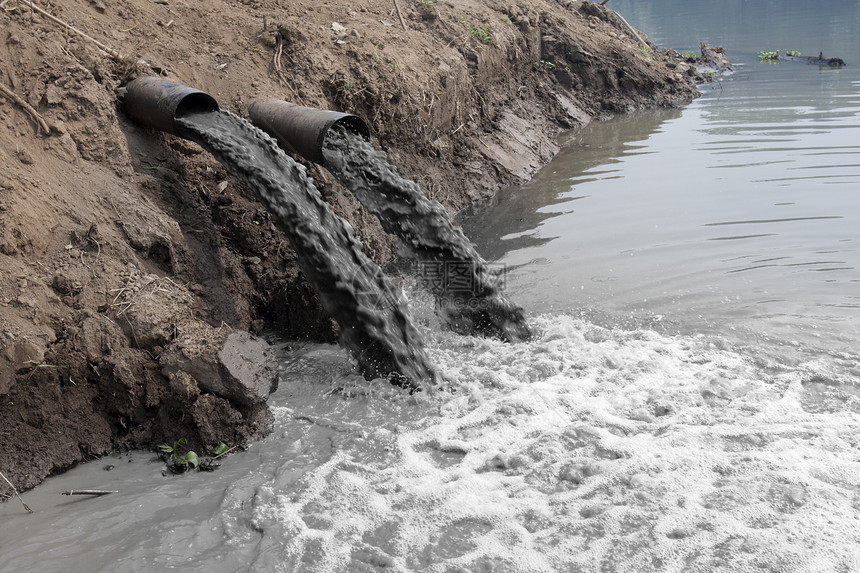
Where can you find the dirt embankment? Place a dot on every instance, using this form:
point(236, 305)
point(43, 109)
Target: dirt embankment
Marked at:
point(133, 268)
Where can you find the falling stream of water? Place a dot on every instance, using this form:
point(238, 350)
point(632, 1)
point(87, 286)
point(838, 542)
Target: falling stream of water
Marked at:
point(381, 337)
point(469, 295)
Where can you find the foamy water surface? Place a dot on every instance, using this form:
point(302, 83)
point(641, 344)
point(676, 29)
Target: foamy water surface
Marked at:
point(587, 449)
point(590, 450)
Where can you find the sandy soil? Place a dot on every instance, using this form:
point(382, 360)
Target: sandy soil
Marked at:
point(134, 268)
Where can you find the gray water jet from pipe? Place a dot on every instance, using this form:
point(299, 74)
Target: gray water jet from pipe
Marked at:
point(374, 322)
point(468, 294)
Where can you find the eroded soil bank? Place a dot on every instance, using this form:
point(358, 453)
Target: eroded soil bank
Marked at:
point(136, 274)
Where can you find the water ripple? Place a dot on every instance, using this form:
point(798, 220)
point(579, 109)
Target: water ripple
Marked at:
point(782, 220)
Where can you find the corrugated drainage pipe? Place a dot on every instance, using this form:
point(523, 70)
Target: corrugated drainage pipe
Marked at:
point(300, 129)
point(158, 102)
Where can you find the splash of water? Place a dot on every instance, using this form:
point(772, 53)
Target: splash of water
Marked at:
point(467, 292)
point(585, 449)
point(374, 321)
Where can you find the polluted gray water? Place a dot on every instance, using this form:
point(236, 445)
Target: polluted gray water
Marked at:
point(468, 292)
point(374, 322)
point(679, 443)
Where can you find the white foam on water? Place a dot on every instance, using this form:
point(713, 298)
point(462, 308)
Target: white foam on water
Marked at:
point(588, 449)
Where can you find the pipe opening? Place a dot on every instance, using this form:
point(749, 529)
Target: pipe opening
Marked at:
point(196, 102)
point(354, 124)
point(303, 130)
point(157, 102)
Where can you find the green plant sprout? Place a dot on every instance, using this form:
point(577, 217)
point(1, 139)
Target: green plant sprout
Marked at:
point(768, 56)
point(180, 459)
point(480, 34)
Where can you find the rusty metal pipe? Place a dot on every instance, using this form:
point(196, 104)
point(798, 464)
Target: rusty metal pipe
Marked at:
point(300, 129)
point(158, 102)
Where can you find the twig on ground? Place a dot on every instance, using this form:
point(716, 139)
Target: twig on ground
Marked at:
point(88, 492)
point(279, 69)
point(115, 210)
point(28, 109)
point(27, 507)
point(632, 31)
point(399, 15)
point(224, 453)
point(109, 51)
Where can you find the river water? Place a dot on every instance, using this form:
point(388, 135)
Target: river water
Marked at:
point(691, 400)
point(738, 212)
